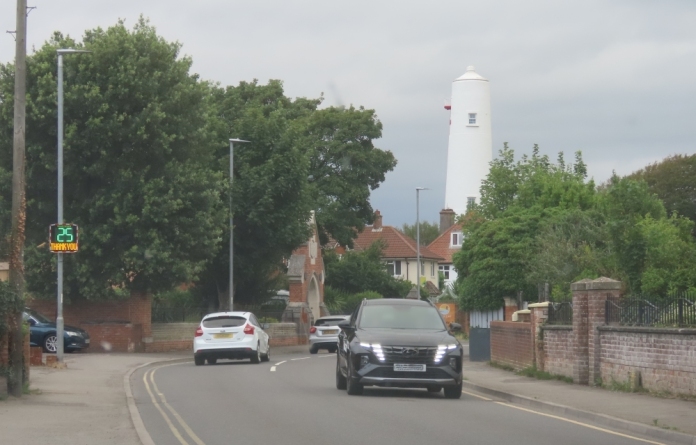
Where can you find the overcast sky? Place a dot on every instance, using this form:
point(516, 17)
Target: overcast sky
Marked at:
point(615, 79)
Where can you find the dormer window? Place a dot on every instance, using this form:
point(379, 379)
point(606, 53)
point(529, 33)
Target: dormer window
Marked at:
point(456, 240)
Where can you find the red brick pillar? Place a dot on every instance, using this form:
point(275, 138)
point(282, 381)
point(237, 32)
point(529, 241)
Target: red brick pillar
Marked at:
point(598, 292)
point(581, 365)
point(539, 313)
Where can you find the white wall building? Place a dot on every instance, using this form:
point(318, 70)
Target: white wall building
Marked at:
point(470, 149)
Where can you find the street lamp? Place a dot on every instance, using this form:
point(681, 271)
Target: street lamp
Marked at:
point(232, 141)
point(59, 313)
point(418, 260)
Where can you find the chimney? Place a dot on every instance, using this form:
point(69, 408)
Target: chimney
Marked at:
point(377, 225)
point(446, 219)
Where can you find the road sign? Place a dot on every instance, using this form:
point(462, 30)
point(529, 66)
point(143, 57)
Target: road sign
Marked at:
point(62, 238)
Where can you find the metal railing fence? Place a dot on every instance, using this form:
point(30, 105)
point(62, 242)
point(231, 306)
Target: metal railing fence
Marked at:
point(673, 311)
point(560, 313)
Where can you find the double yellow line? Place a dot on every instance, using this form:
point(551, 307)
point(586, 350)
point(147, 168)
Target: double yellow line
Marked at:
point(160, 401)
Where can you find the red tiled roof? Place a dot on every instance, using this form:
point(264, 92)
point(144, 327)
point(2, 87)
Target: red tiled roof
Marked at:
point(441, 244)
point(398, 245)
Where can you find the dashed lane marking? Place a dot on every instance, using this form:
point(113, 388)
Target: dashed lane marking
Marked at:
point(301, 358)
point(280, 363)
point(273, 368)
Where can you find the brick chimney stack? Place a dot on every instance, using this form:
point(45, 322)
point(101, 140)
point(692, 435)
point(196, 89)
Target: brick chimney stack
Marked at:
point(377, 225)
point(446, 219)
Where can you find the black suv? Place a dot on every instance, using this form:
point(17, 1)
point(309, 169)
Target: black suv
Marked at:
point(398, 343)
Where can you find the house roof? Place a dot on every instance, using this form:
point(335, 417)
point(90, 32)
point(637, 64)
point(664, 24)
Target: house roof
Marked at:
point(397, 244)
point(442, 244)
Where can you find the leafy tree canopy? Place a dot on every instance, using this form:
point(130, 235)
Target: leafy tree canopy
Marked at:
point(428, 232)
point(363, 271)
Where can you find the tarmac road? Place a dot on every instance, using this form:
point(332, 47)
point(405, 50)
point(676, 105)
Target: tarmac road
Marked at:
point(293, 401)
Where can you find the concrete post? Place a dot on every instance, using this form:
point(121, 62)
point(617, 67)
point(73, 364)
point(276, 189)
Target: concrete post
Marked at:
point(539, 314)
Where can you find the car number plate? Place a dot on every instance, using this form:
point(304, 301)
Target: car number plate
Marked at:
point(87, 341)
point(329, 332)
point(404, 367)
point(224, 335)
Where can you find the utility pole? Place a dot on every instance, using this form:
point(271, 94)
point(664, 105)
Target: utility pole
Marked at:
point(16, 377)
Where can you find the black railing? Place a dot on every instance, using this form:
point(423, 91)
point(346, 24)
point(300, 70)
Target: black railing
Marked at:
point(677, 311)
point(560, 313)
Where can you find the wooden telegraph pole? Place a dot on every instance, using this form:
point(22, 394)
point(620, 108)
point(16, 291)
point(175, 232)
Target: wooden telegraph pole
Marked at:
point(16, 377)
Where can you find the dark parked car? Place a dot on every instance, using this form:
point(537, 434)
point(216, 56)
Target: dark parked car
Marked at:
point(398, 343)
point(42, 332)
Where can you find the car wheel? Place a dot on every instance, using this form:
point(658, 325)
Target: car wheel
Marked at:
point(434, 389)
point(212, 361)
point(354, 388)
point(50, 343)
point(198, 360)
point(453, 392)
point(267, 356)
point(313, 349)
point(256, 358)
point(340, 380)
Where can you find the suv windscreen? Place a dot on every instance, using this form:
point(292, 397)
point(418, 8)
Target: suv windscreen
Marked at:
point(328, 321)
point(401, 317)
point(223, 322)
point(38, 317)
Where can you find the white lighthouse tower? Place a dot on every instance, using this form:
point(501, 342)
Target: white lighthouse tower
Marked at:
point(470, 148)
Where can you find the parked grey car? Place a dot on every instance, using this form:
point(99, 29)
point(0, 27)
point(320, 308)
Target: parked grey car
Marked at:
point(324, 333)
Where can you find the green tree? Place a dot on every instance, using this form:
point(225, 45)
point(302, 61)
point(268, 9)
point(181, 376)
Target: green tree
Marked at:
point(428, 232)
point(363, 271)
point(135, 176)
point(673, 180)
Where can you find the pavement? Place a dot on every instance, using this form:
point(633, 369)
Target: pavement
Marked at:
point(87, 403)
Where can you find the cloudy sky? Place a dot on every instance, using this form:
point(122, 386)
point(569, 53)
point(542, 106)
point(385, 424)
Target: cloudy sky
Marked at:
point(615, 79)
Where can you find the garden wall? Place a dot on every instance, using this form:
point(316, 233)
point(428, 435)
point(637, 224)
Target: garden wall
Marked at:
point(558, 350)
point(511, 344)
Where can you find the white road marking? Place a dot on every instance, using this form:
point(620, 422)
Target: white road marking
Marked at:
point(280, 363)
point(475, 395)
point(327, 355)
point(301, 358)
point(273, 368)
point(580, 423)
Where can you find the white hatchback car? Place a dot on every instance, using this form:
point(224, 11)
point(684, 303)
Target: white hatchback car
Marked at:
point(231, 335)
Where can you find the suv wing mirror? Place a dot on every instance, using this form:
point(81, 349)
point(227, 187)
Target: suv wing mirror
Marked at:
point(455, 327)
point(346, 326)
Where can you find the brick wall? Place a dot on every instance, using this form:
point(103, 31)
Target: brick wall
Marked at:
point(116, 326)
point(558, 350)
point(511, 344)
point(666, 358)
point(168, 337)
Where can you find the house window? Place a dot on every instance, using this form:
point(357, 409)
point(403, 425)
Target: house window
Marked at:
point(445, 271)
point(472, 118)
point(432, 269)
point(394, 268)
point(422, 268)
point(456, 239)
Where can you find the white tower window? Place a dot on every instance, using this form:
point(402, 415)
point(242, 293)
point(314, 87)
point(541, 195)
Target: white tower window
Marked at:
point(472, 118)
point(456, 239)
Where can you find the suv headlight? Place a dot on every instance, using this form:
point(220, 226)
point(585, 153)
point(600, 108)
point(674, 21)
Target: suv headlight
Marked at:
point(376, 349)
point(72, 333)
point(442, 350)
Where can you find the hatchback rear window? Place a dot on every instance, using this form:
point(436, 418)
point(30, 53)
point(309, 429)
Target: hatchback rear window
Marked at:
point(223, 322)
point(328, 321)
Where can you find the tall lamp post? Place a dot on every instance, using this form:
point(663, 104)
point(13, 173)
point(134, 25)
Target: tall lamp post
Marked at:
point(418, 260)
point(231, 284)
point(59, 312)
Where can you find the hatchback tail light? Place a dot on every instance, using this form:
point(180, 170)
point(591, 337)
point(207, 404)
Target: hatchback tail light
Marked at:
point(249, 329)
point(199, 332)
point(312, 330)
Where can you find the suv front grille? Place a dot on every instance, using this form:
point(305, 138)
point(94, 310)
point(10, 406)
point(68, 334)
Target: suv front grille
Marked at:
point(409, 354)
point(430, 373)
